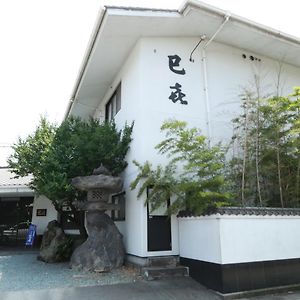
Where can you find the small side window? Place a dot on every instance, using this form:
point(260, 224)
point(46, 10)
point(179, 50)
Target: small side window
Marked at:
point(113, 105)
point(118, 215)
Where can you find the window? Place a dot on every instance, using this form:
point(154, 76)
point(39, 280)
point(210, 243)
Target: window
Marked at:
point(113, 105)
point(118, 215)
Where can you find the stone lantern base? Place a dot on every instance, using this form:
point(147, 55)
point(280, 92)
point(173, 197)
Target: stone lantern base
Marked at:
point(103, 250)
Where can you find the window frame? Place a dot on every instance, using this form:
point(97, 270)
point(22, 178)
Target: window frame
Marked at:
point(113, 105)
point(118, 215)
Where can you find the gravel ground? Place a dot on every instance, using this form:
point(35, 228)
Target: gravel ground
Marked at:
point(24, 272)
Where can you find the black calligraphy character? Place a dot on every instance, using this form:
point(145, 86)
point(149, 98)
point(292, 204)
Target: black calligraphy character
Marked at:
point(177, 95)
point(174, 61)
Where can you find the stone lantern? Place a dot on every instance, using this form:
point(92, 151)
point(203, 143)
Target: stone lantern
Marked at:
point(103, 250)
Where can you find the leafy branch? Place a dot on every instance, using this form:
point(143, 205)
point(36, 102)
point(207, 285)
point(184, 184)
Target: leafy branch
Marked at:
point(193, 177)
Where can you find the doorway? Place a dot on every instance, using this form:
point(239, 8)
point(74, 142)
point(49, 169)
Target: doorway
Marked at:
point(158, 228)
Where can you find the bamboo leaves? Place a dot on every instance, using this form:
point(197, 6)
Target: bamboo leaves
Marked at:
point(267, 133)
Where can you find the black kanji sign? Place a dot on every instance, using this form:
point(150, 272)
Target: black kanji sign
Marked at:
point(174, 66)
point(174, 61)
point(177, 94)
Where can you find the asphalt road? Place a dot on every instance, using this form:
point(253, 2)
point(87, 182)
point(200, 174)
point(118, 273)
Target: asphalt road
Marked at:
point(167, 289)
point(173, 289)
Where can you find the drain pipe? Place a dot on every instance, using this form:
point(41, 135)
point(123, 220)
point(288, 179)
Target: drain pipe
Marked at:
point(205, 81)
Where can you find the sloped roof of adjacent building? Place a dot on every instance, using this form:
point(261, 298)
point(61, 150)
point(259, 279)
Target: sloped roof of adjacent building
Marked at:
point(7, 178)
point(11, 186)
point(118, 29)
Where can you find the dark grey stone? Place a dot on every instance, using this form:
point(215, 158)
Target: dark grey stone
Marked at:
point(54, 240)
point(151, 273)
point(92, 182)
point(101, 170)
point(95, 205)
point(103, 250)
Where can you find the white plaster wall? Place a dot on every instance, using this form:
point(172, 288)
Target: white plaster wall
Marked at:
point(199, 238)
point(239, 239)
point(250, 238)
point(42, 202)
point(146, 80)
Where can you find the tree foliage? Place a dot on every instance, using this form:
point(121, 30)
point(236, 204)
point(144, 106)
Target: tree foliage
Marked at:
point(278, 151)
point(30, 153)
point(56, 154)
point(193, 178)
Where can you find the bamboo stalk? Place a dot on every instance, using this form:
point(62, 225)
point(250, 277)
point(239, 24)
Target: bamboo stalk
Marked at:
point(279, 175)
point(257, 141)
point(245, 149)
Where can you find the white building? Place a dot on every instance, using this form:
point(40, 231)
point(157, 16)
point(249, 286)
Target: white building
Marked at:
point(149, 65)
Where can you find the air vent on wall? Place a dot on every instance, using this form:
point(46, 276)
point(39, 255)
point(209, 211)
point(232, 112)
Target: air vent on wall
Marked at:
point(251, 57)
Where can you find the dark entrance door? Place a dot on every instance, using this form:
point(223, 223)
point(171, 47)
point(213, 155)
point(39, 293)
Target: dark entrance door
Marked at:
point(159, 230)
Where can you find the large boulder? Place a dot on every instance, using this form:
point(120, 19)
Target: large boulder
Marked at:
point(56, 246)
point(103, 250)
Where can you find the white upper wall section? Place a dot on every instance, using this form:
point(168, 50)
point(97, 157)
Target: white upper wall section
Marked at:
point(248, 239)
point(239, 239)
point(199, 239)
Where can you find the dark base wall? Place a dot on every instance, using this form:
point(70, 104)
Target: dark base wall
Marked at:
point(230, 278)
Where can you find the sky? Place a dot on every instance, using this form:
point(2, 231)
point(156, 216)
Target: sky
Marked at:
point(43, 43)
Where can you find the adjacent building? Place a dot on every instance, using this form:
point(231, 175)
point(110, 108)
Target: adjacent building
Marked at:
point(20, 206)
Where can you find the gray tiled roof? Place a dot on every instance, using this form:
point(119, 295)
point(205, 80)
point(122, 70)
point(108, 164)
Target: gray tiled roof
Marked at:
point(246, 211)
point(7, 179)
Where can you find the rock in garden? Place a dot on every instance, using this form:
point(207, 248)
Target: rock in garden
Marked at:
point(103, 250)
point(54, 243)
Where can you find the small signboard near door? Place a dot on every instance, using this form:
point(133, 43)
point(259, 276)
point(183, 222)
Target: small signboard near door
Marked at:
point(159, 229)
